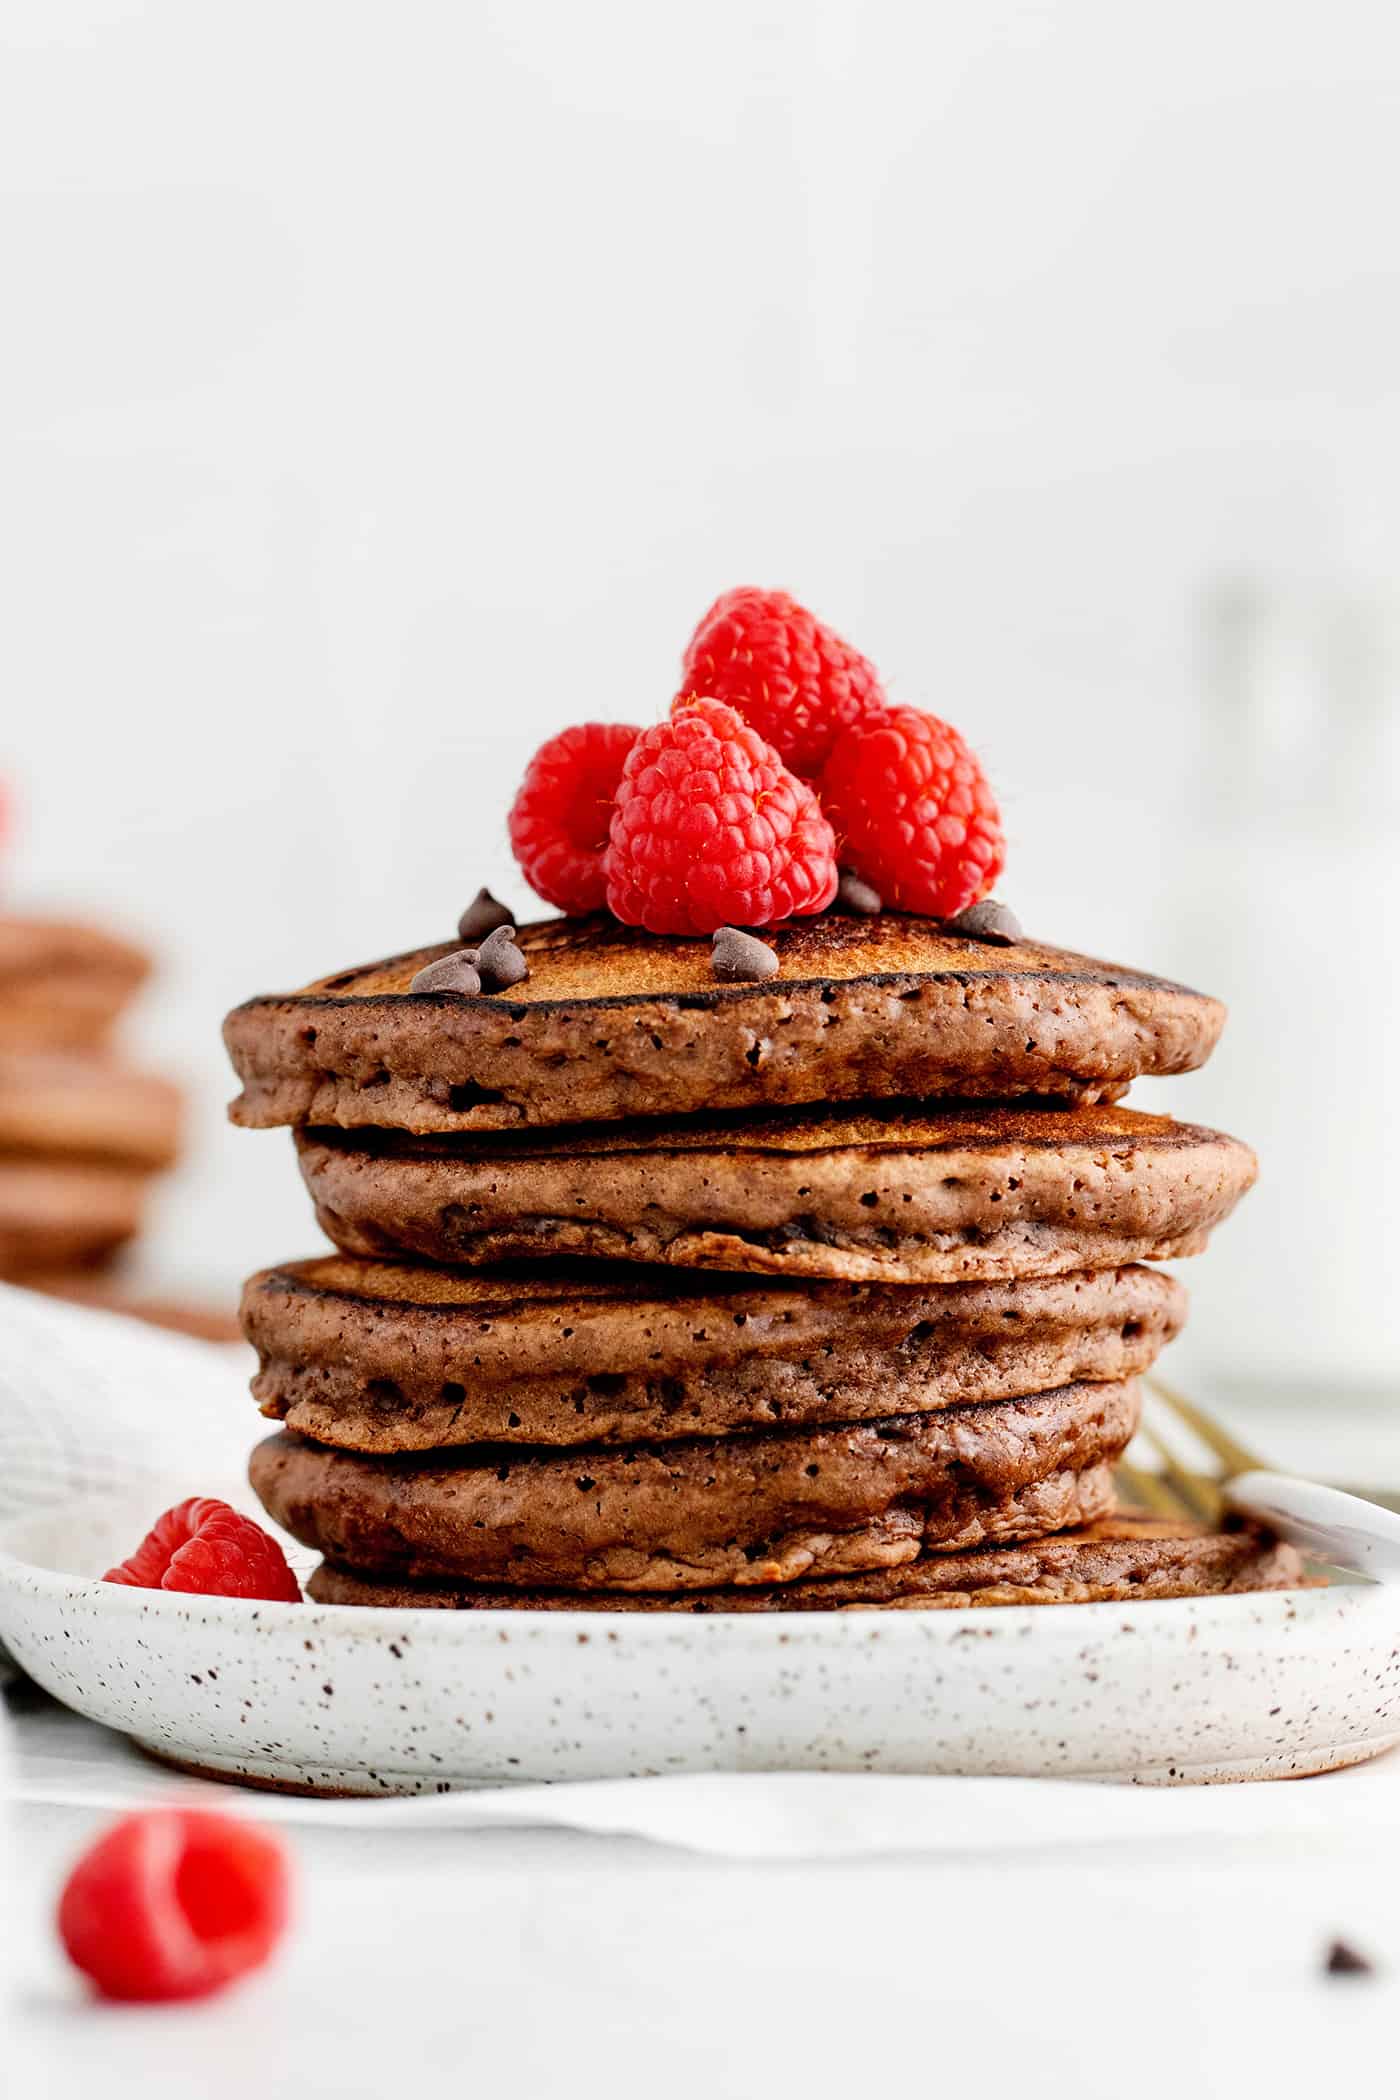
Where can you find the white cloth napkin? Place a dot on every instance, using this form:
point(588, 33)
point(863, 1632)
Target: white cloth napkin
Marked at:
point(94, 1404)
point(65, 1762)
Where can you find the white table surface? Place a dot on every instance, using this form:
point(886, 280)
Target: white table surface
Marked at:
point(528, 1963)
point(535, 1962)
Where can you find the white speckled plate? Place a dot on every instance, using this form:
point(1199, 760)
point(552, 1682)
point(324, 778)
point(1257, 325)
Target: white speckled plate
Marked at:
point(367, 1701)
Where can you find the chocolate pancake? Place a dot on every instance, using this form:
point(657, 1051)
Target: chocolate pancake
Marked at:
point(62, 984)
point(55, 1214)
point(764, 1507)
point(893, 1192)
point(613, 1023)
point(382, 1357)
point(1120, 1559)
point(76, 1104)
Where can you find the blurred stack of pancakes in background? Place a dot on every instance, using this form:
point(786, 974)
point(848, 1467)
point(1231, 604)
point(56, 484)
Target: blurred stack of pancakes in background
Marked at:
point(83, 1135)
point(659, 1291)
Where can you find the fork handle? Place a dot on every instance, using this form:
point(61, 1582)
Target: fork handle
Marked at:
point(1325, 1522)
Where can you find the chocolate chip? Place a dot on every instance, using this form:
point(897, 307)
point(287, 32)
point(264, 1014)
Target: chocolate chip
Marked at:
point(741, 957)
point(450, 973)
point(482, 916)
point(500, 961)
point(1343, 1960)
point(989, 921)
point(854, 895)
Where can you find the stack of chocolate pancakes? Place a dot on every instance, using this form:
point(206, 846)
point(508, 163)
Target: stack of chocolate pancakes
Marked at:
point(654, 1291)
point(82, 1134)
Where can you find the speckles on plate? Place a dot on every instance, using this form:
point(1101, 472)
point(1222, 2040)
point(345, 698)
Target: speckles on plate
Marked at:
point(354, 1701)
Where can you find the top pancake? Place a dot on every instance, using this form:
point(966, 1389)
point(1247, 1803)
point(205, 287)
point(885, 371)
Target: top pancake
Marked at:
point(613, 1022)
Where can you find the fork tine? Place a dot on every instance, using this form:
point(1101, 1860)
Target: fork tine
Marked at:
point(1201, 1495)
point(1149, 1490)
point(1232, 1455)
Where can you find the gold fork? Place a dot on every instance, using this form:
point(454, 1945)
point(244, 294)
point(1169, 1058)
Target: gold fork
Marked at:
point(1343, 1530)
point(1180, 1490)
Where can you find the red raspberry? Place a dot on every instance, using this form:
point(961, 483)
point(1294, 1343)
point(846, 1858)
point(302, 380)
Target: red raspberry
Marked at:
point(174, 1903)
point(913, 813)
point(206, 1548)
point(784, 671)
point(710, 829)
point(559, 820)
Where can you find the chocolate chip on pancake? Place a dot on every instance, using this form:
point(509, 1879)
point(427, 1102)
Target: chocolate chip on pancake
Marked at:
point(500, 961)
point(614, 1023)
point(737, 957)
point(482, 916)
point(1122, 1558)
point(854, 894)
point(988, 921)
point(896, 1192)
point(457, 973)
point(384, 1357)
point(768, 1506)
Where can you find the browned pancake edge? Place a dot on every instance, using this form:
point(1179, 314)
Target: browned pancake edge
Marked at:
point(614, 1023)
point(384, 1357)
point(1119, 1559)
point(770, 1506)
point(899, 1195)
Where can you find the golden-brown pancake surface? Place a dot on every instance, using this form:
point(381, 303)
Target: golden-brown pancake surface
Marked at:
point(613, 1022)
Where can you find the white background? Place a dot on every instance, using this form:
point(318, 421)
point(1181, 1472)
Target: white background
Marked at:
point(382, 387)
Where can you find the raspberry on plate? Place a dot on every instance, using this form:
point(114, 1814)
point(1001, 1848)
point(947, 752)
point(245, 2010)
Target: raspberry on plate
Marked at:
point(783, 670)
point(206, 1548)
point(174, 1903)
point(913, 813)
point(710, 829)
point(559, 819)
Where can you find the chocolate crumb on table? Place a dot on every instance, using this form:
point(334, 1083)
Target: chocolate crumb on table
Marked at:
point(1345, 1960)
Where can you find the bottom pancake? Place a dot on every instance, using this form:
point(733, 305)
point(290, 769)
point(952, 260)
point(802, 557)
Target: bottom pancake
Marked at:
point(1119, 1559)
point(745, 1510)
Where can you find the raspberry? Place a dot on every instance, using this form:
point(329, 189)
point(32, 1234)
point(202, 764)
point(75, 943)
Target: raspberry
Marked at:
point(174, 1903)
point(783, 670)
point(913, 813)
point(710, 829)
point(559, 820)
point(206, 1548)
